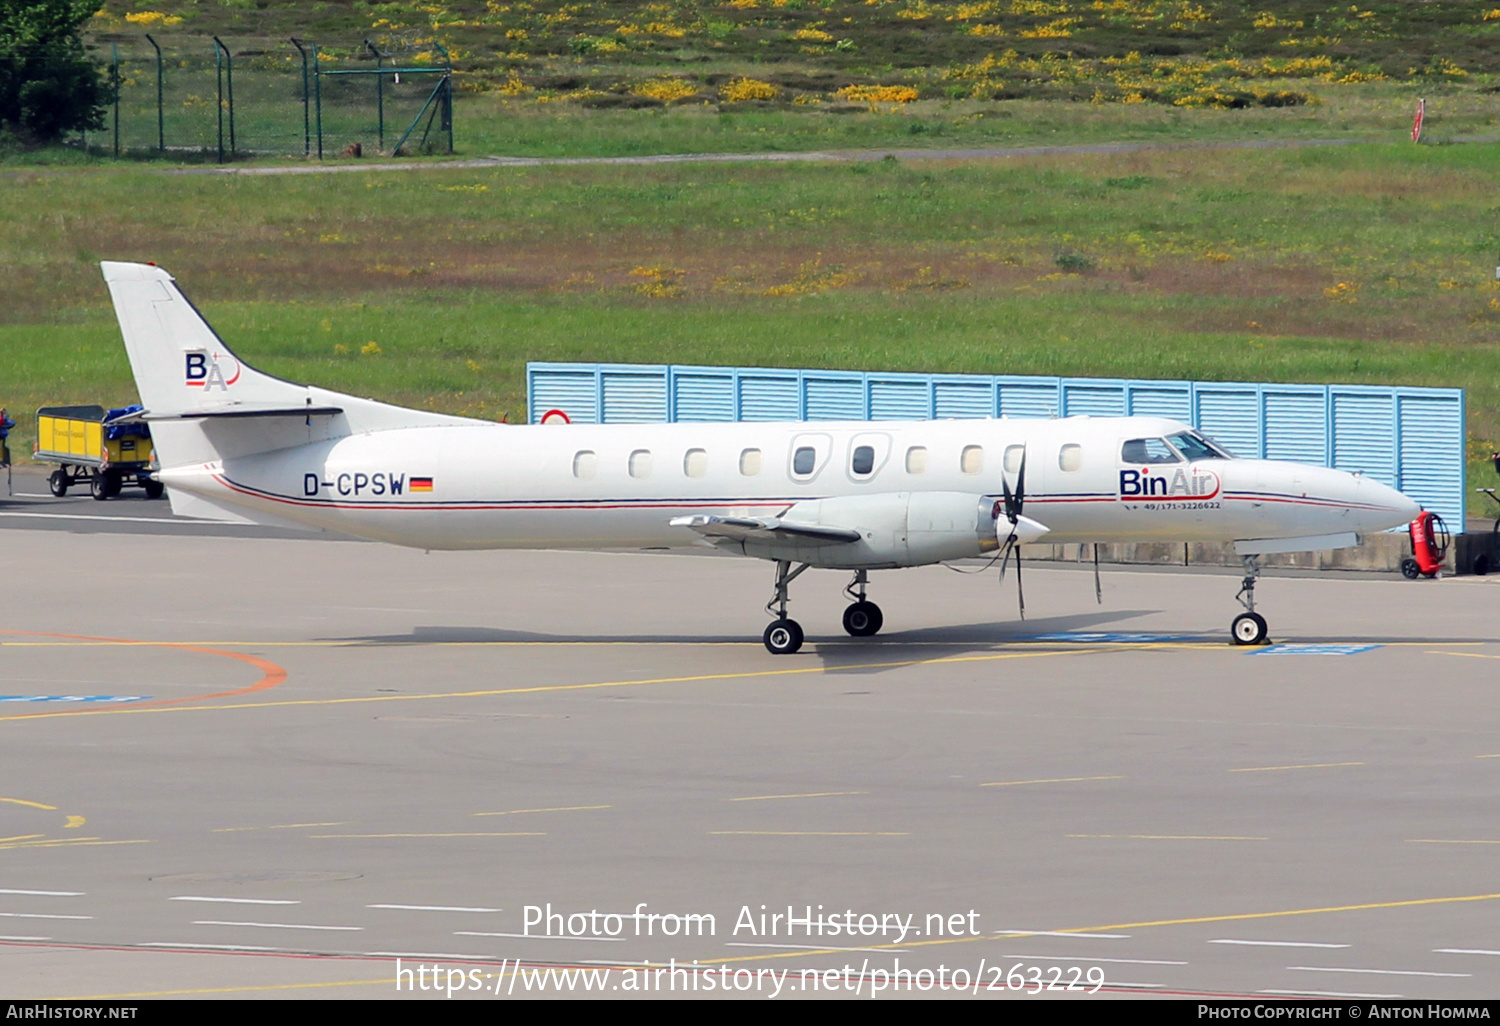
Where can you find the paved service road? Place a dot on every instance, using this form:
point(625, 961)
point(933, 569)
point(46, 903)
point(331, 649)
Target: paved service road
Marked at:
point(221, 750)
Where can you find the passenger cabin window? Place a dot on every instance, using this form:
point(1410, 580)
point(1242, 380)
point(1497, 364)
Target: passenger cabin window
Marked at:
point(972, 459)
point(640, 463)
point(695, 463)
point(584, 464)
point(916, 459)
point(750, 462)
point(804, 460)
point(862, 462)
point(1014, 454)
point(1070, 457)
point(1147, 451)
point(1195, 447)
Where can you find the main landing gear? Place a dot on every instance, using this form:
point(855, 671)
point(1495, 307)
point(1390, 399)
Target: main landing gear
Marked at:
point(1249, 628)
point(862, 619)
point(784, 635)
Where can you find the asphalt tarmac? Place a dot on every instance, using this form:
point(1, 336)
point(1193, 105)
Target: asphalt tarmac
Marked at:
point(226, 749)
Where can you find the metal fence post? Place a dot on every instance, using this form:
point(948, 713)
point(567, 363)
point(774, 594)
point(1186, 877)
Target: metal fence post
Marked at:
point(219, 82)
point(161, 130)
point(306, 117)
point(114, 76)
point(229, 84)
point(447, 100)
point(318, 97)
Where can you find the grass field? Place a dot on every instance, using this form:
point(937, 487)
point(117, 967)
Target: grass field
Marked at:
point(1366, 263)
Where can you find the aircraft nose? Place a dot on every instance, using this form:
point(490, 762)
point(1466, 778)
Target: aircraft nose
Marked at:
point(1383, 507)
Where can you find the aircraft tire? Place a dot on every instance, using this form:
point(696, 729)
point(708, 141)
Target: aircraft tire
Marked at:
point(1248, 629)
point(783, 637)
point(863, 619)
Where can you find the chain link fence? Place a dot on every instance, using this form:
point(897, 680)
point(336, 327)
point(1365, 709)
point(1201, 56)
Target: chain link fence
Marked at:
point(190, 97)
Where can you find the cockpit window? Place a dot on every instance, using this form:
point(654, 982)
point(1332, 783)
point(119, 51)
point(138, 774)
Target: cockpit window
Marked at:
point(1195, 447)
point(1147, 451)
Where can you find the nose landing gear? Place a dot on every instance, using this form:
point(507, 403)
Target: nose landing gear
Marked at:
point(862, 619)
point(1249, 628)
point(784, 635)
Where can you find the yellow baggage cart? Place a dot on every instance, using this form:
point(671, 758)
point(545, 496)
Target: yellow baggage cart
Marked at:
point(106, 449)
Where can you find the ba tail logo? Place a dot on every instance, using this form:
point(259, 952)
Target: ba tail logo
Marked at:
point(205, 371)
point(1176, 483)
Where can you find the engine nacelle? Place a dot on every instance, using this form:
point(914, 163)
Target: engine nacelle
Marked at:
point(897, 529)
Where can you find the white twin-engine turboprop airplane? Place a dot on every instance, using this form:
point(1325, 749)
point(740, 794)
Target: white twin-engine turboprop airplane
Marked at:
point(237, 444)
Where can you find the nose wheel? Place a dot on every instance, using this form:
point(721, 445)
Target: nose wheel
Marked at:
point(1249, 628)
point(863, 619)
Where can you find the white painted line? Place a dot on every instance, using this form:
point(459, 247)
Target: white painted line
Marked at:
point(1057, 933)
point(1280, 944)
point(1465, 951)
point(1076, 958)
point(803, 947)
point(34, 495)
point(1379, 972)
point(237, 901)
point(25, 938)
point(534, 936)
point(124, 520)
point(1132, 986)
point(1325, 993)
point(38, 915)
point(274, 926)
point(207, 947)
point(436, 908)
point(48, 894)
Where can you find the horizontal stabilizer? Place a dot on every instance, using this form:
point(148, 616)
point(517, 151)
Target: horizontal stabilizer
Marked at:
point(247, 410)
point(762, 529)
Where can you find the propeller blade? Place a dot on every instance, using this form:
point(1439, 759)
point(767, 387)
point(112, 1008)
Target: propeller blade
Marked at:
point(1010, 500)
point(1020, 592)
point(1020, 486)
point(1098, 591)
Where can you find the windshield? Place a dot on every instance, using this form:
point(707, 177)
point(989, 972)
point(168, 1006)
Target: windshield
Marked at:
point(1195, 447)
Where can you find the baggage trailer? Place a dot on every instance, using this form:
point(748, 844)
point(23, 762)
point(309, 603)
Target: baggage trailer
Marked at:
point(107, 449)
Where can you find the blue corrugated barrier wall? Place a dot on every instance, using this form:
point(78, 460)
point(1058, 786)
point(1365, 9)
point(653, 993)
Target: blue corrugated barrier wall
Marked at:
point(1409, 438)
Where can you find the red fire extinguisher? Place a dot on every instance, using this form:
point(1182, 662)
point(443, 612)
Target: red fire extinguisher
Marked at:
point(1429, 546)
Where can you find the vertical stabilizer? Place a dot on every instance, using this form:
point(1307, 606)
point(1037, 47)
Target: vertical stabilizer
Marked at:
point(180, 364)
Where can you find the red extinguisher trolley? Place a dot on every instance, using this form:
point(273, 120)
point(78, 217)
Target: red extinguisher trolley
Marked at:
point(1429, 546)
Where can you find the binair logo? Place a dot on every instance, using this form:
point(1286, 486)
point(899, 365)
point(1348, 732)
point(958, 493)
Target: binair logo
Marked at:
point(204, 371)
point(1179, 483)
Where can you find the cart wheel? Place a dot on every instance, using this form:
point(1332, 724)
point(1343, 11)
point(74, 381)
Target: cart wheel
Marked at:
point(102, 486)
point(1410, 569)
point(154, 489)
point(58, 483)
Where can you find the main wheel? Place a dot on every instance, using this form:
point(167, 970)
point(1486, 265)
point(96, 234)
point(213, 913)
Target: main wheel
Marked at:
point(57, 484)
point(154, 489)
point(783, 637)
point(1410, 569)
point(863, 619)
point(1248, 629)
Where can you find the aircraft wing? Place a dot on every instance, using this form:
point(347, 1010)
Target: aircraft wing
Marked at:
point(762, 529)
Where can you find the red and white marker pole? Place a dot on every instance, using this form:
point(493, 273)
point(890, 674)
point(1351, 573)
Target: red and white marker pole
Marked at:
point(1416, 123)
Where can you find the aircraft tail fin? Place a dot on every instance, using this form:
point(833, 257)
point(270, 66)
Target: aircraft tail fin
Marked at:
point(203, 403)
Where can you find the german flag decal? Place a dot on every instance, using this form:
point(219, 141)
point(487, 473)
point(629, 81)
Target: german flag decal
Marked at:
point(421, 484)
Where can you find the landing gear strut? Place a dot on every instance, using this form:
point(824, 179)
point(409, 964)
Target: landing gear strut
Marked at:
point(783, 636)
point(862, 619)
point(1249, 628)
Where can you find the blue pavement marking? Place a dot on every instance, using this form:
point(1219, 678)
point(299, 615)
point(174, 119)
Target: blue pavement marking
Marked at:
point(73, 698)
point(1315, 650)
point(1095, 637)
